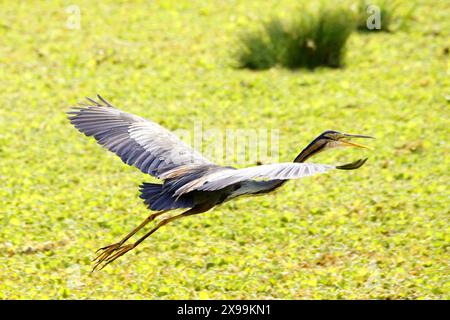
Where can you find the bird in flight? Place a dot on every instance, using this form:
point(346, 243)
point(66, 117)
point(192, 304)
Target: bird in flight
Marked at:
point(189, 181)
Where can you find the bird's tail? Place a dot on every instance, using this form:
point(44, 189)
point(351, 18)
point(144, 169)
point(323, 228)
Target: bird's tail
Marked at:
point(157, 199)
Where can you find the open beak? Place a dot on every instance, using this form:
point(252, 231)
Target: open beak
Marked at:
point(353, 144)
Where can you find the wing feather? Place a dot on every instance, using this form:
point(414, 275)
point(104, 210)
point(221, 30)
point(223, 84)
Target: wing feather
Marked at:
point(228, 176)
point(138, 142)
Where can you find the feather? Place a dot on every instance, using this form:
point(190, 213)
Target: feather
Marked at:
point(225, 177)
point(137, 141)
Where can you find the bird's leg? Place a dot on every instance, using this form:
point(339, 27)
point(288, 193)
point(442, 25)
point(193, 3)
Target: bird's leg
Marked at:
point(106, 251)
point(124, 249)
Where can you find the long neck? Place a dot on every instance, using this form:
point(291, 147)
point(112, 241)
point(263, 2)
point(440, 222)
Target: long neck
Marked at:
point(311, 149)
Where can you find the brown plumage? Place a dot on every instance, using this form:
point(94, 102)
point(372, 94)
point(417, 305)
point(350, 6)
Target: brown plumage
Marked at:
point(189, 180)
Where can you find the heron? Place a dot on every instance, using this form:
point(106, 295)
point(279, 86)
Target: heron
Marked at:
point(189, 180)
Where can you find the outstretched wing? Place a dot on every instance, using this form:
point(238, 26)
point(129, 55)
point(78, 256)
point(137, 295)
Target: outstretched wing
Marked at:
point(278, 171)
point(227, 176)
point(138, 142)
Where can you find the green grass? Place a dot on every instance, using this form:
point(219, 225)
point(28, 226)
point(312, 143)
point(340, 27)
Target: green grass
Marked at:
point(393, 15)
point(386, 10)
point(378, 232)
point(312, 39)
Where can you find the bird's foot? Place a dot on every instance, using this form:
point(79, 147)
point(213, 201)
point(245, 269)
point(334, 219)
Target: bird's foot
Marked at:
point(110, 247)
point(106, 251)
point(110, 253)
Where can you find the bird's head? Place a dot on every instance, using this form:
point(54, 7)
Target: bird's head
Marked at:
point(333, 139)
point(328, 140)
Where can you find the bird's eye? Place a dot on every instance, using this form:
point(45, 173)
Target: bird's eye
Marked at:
point(338, 136)
point(332, 136)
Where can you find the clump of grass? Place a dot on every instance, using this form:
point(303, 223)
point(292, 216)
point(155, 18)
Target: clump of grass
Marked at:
point(319, 40)
point(255, 51)
point(309, 40)
point(377, 15)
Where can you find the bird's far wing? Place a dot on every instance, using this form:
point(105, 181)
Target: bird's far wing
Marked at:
point(277, 171)
point(138, 142)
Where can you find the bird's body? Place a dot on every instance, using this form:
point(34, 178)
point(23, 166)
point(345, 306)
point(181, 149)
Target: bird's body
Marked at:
point(189, 180)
